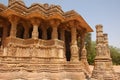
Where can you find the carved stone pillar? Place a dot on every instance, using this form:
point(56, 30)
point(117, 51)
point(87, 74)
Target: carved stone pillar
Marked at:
point(82, 43)
point(62, 34)
point(106, 44)
point(14, 21)
point(99, 34)
point(26, 31)
point(5, 33)
point(35, 22)
point(74, 47)
point(54, 24)
point(44, 32)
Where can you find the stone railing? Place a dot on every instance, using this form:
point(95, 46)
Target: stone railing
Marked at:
point(16, 47)
point(18, 41)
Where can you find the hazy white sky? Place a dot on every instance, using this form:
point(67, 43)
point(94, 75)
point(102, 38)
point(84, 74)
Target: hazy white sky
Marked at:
point(105, 12)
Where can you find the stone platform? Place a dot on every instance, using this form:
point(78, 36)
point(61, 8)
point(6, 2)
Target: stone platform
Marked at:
point(34, 69)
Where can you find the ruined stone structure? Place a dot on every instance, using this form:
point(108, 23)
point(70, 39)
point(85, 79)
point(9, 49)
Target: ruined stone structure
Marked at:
point(103, 69)
point(40, 43)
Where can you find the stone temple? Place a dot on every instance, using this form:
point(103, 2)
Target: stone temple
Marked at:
point(40, 42)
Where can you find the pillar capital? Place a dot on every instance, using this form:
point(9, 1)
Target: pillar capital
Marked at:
point(54, 23)
point(35, 21)
point(73, 24)
point(13, 19)
point(99, 28)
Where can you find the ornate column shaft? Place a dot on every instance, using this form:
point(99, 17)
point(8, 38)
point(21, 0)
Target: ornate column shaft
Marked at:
point(74, 47)
point(26, 31)
point(54, 33)
point(73, 35)
point(107, 51)
point(14, 21)
point(5, 33)
point(35, 22)
point(44, 33)
point(62, 33)
point(54, 24)
point(105, 38)
point(82, 43)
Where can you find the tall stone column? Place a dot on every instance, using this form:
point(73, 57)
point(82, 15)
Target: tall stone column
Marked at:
point(62, 37)
point(54, 32)
point(44, 32)
point(62, 33)
point(35, 22)
point(5, 33)
point(74, 47)
point(54, 24)
point(26, 31)
point(14, 21)
point(103, 64)
point(106, 44)
point(82, 42)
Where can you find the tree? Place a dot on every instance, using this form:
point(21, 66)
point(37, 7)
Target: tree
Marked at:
point(88, 42)
point(92, 54)
point(115, 55)
point(90, 46)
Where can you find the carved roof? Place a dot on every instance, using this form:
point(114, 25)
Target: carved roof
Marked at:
point(43, 11)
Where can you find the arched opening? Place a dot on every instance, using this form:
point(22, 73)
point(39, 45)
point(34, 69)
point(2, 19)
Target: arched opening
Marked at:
point(20, 31)
point(49, 32)
point(67, 44)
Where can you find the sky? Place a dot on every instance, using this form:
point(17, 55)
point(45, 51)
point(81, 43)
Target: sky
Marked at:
point(105, 12)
